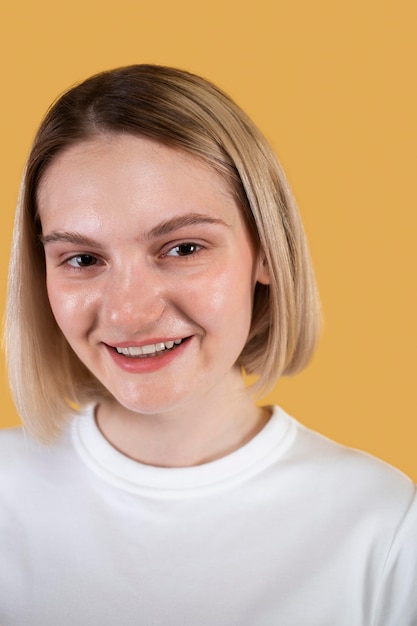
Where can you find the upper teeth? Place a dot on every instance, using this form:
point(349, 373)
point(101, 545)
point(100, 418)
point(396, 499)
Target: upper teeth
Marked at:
point(152, 348)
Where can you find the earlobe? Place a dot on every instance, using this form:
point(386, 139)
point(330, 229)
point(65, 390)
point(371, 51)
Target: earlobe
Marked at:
point(262, 273)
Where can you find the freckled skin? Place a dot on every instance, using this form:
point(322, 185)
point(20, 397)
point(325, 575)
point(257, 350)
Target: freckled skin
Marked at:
point(131, 285)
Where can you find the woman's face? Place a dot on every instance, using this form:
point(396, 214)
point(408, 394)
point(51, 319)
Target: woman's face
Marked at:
point(150, 270)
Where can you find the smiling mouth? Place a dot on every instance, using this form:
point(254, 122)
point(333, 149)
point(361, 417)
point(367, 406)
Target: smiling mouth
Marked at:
point(151, 350)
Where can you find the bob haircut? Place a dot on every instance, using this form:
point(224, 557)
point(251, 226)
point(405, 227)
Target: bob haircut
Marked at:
point(186, 112)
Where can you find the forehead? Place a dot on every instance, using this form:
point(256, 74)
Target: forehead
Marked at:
point(116, 157)
point(144, 181)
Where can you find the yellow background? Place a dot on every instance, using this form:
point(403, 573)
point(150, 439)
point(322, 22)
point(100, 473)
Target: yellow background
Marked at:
point(333, 86)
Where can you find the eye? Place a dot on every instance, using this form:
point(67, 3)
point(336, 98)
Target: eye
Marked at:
point(82, 260)
point(184, 249)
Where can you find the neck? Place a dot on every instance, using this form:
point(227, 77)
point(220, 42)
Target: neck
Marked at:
point(186, 436)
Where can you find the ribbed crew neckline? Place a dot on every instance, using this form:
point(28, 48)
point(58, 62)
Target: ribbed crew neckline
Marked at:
point(125, 473)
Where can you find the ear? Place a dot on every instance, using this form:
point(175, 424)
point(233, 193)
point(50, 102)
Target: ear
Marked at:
point(262, 270)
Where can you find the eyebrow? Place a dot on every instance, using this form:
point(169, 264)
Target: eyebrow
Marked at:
point(69, 237)
point(164, 228)
point(182, 221)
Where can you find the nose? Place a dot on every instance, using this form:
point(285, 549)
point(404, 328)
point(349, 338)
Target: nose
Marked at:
point(133, 298)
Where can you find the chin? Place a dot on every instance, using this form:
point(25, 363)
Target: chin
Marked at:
point(151, 403)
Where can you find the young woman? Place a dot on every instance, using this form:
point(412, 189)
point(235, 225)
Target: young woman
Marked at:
point(158, 252)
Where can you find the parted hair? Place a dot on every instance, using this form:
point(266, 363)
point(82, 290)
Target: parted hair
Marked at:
point(184, 111)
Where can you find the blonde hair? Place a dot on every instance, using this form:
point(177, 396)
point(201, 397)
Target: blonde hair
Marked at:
point(187, 112)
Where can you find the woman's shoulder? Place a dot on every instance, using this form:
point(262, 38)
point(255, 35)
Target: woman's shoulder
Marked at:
point(15, 445)
point(352, 473)
point(19, 467)
point(24, 460)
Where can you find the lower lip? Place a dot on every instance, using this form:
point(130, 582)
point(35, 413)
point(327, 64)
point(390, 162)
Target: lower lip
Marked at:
point(146, 365)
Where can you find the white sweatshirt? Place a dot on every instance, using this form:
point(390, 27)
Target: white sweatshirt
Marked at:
point(289, 530)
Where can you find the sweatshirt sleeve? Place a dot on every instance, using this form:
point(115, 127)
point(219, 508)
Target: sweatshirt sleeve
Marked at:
point(397, 605)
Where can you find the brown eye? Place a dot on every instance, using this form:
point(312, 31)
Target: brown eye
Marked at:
point(184, 249)
point(82, 260)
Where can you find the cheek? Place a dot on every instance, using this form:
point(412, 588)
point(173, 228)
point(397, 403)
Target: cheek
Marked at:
point(70, 307)
point(222, 302)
